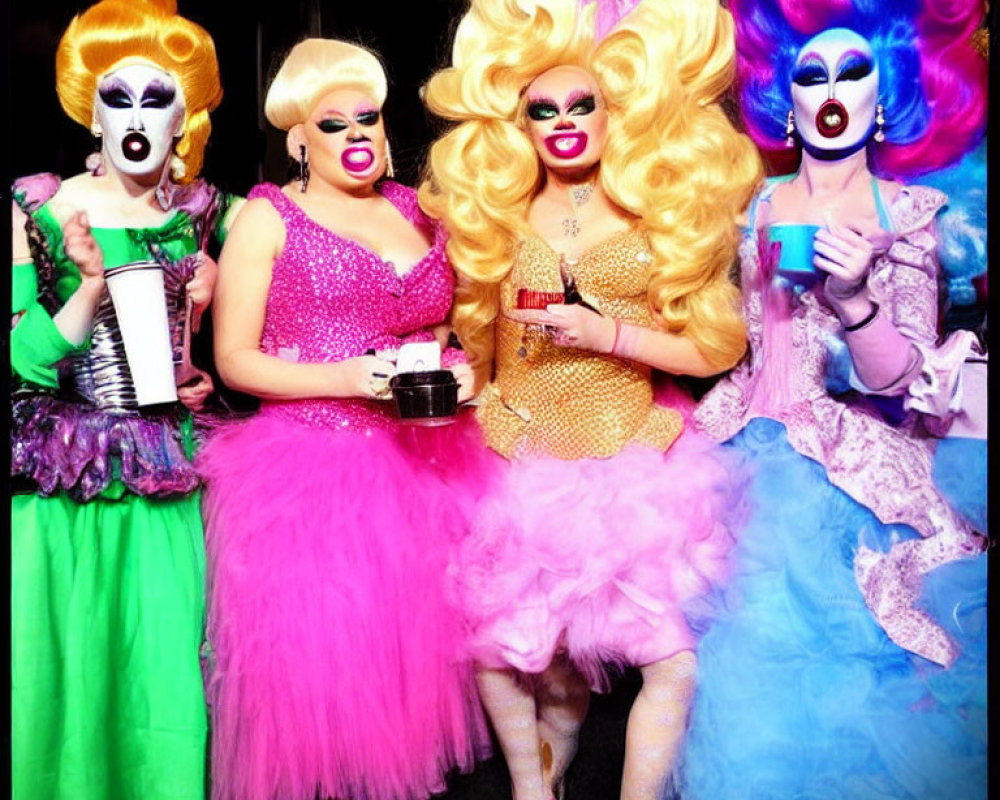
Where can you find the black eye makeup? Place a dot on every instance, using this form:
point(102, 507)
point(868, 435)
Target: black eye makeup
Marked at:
point(368, 118)
point(115, 96)
point(158, 95)
point(810, 73)
point(854, 66)
point(583, 105)
point(541, 110)
point(332, 125)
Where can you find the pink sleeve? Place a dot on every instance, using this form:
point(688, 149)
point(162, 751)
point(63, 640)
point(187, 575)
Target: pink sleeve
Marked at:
point(889, 353)
point(950, 390)
point(884, 359)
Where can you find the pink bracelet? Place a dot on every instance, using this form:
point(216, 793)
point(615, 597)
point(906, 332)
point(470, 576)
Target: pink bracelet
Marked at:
point(627, 339)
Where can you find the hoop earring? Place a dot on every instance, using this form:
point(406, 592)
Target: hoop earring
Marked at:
point(303, 169)
point(879, 135)
point(790, 129)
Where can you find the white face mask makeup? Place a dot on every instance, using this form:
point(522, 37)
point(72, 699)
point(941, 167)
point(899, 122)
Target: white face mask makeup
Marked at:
point(835, 91)
point(140, 110)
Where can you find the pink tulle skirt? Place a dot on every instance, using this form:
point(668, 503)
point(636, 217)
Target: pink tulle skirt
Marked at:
point(338, 660)
point(597, 557)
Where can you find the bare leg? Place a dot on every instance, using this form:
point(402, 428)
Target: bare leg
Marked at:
point(563, 698)
point(511, 707)
point(656, 726)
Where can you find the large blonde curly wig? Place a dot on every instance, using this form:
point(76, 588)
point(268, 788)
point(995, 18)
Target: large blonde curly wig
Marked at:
point(672, 158)
point(115, 31)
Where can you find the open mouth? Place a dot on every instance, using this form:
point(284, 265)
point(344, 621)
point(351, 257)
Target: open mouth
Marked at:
point(135, 146)
point(357, 159)
point(831, 119)
point(566, 145)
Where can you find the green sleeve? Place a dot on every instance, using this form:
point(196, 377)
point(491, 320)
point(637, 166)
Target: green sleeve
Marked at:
point(36, 344)
point(232, 203)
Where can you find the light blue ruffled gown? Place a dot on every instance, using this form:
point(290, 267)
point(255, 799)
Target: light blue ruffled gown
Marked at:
point(801, 694)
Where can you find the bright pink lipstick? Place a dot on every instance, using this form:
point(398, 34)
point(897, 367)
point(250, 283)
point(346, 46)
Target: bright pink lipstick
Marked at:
point(357, 159)
point(566, 144)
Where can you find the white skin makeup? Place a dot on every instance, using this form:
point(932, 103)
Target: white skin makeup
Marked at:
point(139, 111)
point(345, 140)
point(834, 92)
point(566, 119)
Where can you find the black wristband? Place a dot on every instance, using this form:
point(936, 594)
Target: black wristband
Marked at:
point(867, 320)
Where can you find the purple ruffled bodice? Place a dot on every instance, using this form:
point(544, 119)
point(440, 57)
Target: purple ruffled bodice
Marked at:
point(62, 441)
point(76, 447)
point(332, 299)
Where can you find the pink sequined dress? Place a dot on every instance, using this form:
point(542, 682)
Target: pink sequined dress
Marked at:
point(336, 655)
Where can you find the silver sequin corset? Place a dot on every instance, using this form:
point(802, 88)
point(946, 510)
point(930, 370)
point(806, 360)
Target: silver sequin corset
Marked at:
point(102, 374)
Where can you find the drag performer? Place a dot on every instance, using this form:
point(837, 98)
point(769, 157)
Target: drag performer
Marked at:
point(336, 654)
point(855, 621)
point(107, 554)
point(590, 188)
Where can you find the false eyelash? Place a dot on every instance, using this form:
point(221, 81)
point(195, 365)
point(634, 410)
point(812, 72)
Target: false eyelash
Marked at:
point(855, 68)
point(810, 75)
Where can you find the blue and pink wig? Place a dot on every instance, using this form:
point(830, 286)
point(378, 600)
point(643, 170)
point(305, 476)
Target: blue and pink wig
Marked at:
point(932, 80)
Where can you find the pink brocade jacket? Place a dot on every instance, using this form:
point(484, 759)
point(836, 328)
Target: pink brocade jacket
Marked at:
point(886, 468)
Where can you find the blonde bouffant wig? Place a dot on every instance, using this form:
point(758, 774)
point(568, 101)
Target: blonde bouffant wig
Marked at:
point(114, 32)
point(314, 68)
point(672, 158)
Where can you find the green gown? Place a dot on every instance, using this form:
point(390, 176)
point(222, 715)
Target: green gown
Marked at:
point(107, 595)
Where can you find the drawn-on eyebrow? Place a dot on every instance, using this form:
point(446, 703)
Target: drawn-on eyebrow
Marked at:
point(113, 83)
point(854, 65)
point(542, 98)
point(159, 93)
point(852, 55)
point(810, 70)
point(577, 95)
point(332, 112)
point(812, 57)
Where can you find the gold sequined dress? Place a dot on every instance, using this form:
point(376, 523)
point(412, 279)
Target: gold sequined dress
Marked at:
point(607, 518)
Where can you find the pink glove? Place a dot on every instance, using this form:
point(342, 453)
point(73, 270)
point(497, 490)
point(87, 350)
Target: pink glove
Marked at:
point(884, 359)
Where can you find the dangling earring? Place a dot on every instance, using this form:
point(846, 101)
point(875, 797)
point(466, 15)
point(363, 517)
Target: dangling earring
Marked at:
point(178, 169)
point(879, 135)
point(95, 160)
point(389, 171)
point(303, 169)
point(790, 129)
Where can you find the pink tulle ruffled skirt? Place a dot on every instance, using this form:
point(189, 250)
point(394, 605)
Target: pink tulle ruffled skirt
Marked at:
point(597, 557)
point(338, 661)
